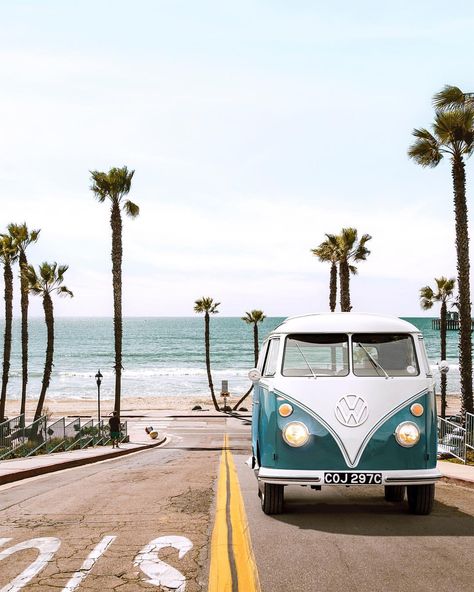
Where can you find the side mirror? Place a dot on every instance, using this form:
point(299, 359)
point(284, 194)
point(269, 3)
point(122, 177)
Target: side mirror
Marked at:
point(255, 375)
point(443, 367)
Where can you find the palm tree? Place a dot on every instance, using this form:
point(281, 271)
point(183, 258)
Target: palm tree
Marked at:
point(23, 238)
point(350, 248)
point(115, 185)
point(207, 306)
point(8, 255)
point(47, 282)
point(428, 296)
point(453, 135)
point(328, 251)
point(252, 318)
point(452, 97)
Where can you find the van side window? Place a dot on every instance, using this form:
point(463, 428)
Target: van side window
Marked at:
point(261, 356)
point(270, 366)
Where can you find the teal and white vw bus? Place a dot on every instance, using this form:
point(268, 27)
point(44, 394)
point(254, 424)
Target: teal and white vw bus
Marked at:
point(345, 399)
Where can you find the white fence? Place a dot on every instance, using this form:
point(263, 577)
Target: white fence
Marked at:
point(454, 439)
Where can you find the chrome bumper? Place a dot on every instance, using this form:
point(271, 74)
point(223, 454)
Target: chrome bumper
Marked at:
point(289, 477)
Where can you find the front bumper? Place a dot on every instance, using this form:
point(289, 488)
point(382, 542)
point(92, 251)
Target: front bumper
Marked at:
point(288, 477)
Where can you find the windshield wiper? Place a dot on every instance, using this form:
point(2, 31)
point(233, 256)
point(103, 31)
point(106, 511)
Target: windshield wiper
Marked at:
point(373, 360)
point(307, 363)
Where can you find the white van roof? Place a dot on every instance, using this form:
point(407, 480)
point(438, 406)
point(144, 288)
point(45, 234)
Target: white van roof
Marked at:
point(344, 322)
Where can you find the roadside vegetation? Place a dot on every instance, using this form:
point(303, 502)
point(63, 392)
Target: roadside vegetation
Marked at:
point(443, 293)
point(115, 186)
point(343, 251)
point(453, 136)
point(45, 283)
point(207, 306)
point(253, 318)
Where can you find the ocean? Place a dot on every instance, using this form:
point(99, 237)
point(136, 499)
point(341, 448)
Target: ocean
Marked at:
point(162, 356)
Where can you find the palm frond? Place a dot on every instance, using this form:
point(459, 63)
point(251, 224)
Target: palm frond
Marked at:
point(113, 185)
point(454, 126)
point(206, 304)
point(9, 251)
point(426, 304)
point(23, 236)
point(254, 317)
point(450, 97)
point(63, 291)
point(425, 152)
point(131, 209)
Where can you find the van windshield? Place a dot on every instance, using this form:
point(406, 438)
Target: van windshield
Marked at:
point(316, 355)
point(387, 354)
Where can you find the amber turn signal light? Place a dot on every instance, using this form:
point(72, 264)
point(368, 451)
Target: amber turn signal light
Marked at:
point(417, 409)
point(285, 410)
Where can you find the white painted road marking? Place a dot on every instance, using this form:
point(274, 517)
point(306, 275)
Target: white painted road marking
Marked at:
point(88, 564)
point(47, 547)
point(159, 572)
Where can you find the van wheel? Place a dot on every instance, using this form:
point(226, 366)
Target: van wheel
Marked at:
point(421, 498)
point(394, 493)
point(271, 498)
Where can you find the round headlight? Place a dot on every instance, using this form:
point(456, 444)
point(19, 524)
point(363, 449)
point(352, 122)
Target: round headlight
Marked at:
point(295, 434)
point(417, 409)
point(407, 434)
point(285, 410)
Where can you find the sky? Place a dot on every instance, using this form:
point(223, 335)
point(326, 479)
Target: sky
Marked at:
point(254, 127)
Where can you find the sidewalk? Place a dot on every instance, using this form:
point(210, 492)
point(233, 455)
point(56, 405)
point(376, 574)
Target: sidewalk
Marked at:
point(23, 468)
point(462, 474)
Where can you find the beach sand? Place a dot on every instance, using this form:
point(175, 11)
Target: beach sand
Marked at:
point(134, 405)
point(129, 405)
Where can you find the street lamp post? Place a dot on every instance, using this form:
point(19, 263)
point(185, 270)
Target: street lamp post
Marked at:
point(98, 379)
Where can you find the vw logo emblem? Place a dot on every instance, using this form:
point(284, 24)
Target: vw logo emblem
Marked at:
point(351, 411)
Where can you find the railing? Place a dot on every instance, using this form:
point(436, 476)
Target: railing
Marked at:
point(10, 434)
point(469, 431)
point(23, 440)
point(17, 440)
point(451, 439)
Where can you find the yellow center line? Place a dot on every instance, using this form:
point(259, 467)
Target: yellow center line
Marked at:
point(237, 549)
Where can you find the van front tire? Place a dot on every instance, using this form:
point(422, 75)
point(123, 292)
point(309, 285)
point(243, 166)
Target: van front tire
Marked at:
point(421, 498)
point(394, 493)
point(271, 498)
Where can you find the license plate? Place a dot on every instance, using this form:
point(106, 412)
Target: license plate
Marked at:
point(353, 478)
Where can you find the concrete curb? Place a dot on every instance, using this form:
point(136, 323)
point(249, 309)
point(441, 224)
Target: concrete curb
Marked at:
point(457, 481)
point(69, 464)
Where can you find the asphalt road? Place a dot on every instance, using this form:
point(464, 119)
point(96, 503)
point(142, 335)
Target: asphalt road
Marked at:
point(340, 539)
point(129, 523)
point(161, 498)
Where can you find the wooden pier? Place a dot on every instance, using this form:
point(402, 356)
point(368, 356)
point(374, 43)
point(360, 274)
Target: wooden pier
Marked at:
point(451, 324)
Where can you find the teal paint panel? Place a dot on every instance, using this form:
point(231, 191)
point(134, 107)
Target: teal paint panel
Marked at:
point(383, 452)
point(267, 430)
point(323, 453)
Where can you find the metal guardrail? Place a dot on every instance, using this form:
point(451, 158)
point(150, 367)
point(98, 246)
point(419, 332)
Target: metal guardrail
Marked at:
point(451, 439)
point(469, 424)
point(10, 434)
point(18, 440)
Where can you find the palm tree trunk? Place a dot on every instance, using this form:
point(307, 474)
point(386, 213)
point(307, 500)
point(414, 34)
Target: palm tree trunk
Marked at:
point(333, 287)
point(116, 225)
point(242, 399)
point(24, 329)
point(48, 364)
point(462, 250)
point(208, 359)
point(344, 283)
point(255, 343)
point(255, 352)
point(7, 343)
point(443, 328)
